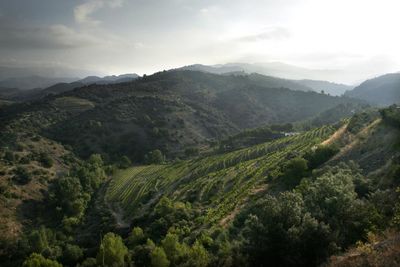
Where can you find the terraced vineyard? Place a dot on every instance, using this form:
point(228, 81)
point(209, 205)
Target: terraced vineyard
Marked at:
point(217, 184)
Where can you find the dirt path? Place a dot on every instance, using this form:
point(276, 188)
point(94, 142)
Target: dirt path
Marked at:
point(335, 136)
point(364, 132)
point(115, 209)
point(118, 214)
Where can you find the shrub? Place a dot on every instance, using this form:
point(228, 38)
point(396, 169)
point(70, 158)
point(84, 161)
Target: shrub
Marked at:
point(37, 260)
point(22, 176)
point(9, 156)
point(45, 160)
point(192, 151)
point(124, 162)
point(154, 157)
point(320, 155)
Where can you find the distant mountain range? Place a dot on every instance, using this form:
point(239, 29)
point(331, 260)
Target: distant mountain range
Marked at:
point(382, 91)
point(33, 82)
point(171, 110)
point(328, 87)
point(297, 77)
point(29, 88)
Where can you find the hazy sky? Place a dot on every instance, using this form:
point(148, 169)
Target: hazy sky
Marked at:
point(143, 36)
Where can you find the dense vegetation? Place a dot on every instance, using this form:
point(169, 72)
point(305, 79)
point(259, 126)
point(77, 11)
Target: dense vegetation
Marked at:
point(381, 91)
point(185, 177)
point(170, 111)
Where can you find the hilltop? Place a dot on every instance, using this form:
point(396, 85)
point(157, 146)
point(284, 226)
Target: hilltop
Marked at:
point(205, 169)
point(170, 111)
point(381, 91)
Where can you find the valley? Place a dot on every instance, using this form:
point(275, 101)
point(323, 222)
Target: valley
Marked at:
point(196, 169)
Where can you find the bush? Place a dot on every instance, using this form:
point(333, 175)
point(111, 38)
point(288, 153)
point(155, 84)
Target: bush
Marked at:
point(72, 254)
point(124, 162)
point(9, 156)
point(320, 155)
point(154, 157)
point(294, 171)
point(37, 260)
point(22, 176)
point(112, 251)
point(192, 151)
point(45, 160)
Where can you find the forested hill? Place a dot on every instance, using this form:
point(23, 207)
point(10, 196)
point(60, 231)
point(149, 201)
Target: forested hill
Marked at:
point(170, 111)
point(382, 91)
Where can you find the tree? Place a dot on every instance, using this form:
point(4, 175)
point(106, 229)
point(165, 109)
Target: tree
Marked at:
point(45, 160)
point(142, 253)
point(72, 254)
point(22, 175)
point(112, 251)
point(124, 162)
point(175, 251)
point(67, 193)
point(320, 155)
point(154, 157)
point(282, 233)
point(198, 256)
point(9, 156)
point(136, 237)
point(294, 171)
point(37, 260)
point(159, 258)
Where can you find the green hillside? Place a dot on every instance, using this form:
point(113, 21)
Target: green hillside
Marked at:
point(217, 183)
point(381, 91)
point(236, 174)
point(170, 111)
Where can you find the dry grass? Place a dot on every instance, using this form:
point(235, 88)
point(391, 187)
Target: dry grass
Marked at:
point(379, 251)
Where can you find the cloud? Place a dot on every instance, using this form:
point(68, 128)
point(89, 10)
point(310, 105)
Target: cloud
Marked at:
point(269, 33)
point(83, 13)
point(14, 36)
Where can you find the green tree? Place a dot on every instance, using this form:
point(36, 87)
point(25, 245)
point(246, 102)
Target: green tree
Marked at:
point(154, 157)
point(67, 194)
point(124, 162)
point(46, 160)
point(281, 233)
point(159, 258)
point(320, 155)
point(136, 237)
point(37, 260)
point(112, 252)
point(175, 251)
point(9, 156)
point(294, 171)
point(72, 254)
point(142, 253)
point(198, 256)
point(22, 175)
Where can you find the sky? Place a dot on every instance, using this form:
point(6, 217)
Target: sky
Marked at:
point(359, 37)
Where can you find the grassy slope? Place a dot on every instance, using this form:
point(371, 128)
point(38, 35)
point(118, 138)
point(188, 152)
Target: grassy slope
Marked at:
point(218, 184)
point(18, 201)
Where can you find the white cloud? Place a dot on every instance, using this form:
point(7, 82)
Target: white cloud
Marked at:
point(14, 36)
point(268, 33)
point(83, 13)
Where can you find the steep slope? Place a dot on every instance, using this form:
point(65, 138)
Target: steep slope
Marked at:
point(218, 184)
point(168, 111)
point(381, 91)
point(28, 164)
